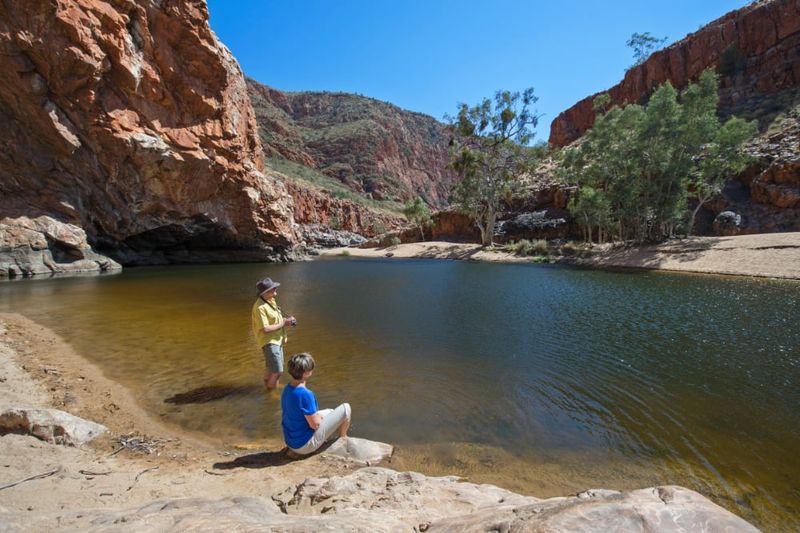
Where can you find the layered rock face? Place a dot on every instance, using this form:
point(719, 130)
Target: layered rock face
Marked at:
point(130, 120)
point(372, 147)
point(328, 222)
point(756, 49)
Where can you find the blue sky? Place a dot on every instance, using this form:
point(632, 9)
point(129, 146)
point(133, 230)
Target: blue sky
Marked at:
point(429, 55)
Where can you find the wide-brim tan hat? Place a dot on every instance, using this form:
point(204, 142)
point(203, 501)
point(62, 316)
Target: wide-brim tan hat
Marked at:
point(265, 285)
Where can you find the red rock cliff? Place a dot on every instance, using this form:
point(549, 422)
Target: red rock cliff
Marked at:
point(758, 48)
point(130, 119)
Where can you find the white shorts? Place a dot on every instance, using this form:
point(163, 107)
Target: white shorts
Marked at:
point(332, 419)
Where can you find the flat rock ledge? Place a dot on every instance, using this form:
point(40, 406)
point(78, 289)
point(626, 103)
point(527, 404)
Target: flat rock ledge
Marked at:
point(50, 425)
point(379, 499)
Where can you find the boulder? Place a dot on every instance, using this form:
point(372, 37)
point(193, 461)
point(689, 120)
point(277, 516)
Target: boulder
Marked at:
point(663, 509)
point(43, 246)
point(727, 223)
point(50, 425)
point(362, 451)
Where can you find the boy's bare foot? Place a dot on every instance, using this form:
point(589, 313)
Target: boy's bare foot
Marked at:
point(293, 455)
point(276, 390)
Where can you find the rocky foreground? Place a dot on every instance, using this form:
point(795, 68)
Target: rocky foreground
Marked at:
point(162, 481)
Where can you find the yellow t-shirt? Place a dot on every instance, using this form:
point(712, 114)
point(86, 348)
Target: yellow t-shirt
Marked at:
point(267, 313)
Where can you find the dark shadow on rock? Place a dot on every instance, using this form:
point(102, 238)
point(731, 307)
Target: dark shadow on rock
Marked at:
point(256, 460)
point(269, 459)
point(211, 393)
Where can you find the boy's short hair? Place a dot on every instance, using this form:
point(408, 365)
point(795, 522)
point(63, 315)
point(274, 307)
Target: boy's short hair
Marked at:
point(299, 364)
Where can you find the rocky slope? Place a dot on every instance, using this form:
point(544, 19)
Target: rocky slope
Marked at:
point(374, 148)
point(129, 120)
point(323, 220)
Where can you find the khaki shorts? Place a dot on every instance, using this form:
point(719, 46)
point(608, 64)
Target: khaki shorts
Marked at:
point(273, 357)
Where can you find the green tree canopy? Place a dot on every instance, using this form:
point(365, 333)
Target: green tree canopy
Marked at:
point(643, 44)
point(647, 162)
point(592, 208)
point(417, 212)
point(489, 150)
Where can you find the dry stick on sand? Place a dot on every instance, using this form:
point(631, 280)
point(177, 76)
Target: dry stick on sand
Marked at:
point(37, 476)
point(115, 452)
point(139, 474)
point(90, 473)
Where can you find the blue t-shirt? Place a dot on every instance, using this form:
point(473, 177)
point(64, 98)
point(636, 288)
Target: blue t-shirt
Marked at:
point(296, 402)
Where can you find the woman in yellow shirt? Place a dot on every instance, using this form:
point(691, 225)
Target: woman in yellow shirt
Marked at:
point(269, 329)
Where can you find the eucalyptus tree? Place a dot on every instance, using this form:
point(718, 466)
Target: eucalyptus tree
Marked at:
point(644, 44)
point(592, 209)
point(721, 154)
point(489, 150)
point(417, 212)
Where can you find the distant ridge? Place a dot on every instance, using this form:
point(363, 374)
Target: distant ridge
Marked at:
point(373, 148)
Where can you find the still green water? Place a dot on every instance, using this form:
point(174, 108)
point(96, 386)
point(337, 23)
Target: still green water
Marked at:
point(541, 379)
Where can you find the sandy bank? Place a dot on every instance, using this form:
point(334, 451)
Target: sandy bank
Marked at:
point(772, 255)
point(39, 369)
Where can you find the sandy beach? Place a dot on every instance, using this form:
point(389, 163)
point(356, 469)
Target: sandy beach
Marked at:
point(772, 255)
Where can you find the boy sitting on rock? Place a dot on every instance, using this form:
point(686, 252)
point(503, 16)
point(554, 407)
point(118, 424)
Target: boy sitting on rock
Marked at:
point(305, 426)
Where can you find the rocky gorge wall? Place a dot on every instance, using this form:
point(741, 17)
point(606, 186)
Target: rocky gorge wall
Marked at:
point(756, 51)
point(129, 120)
